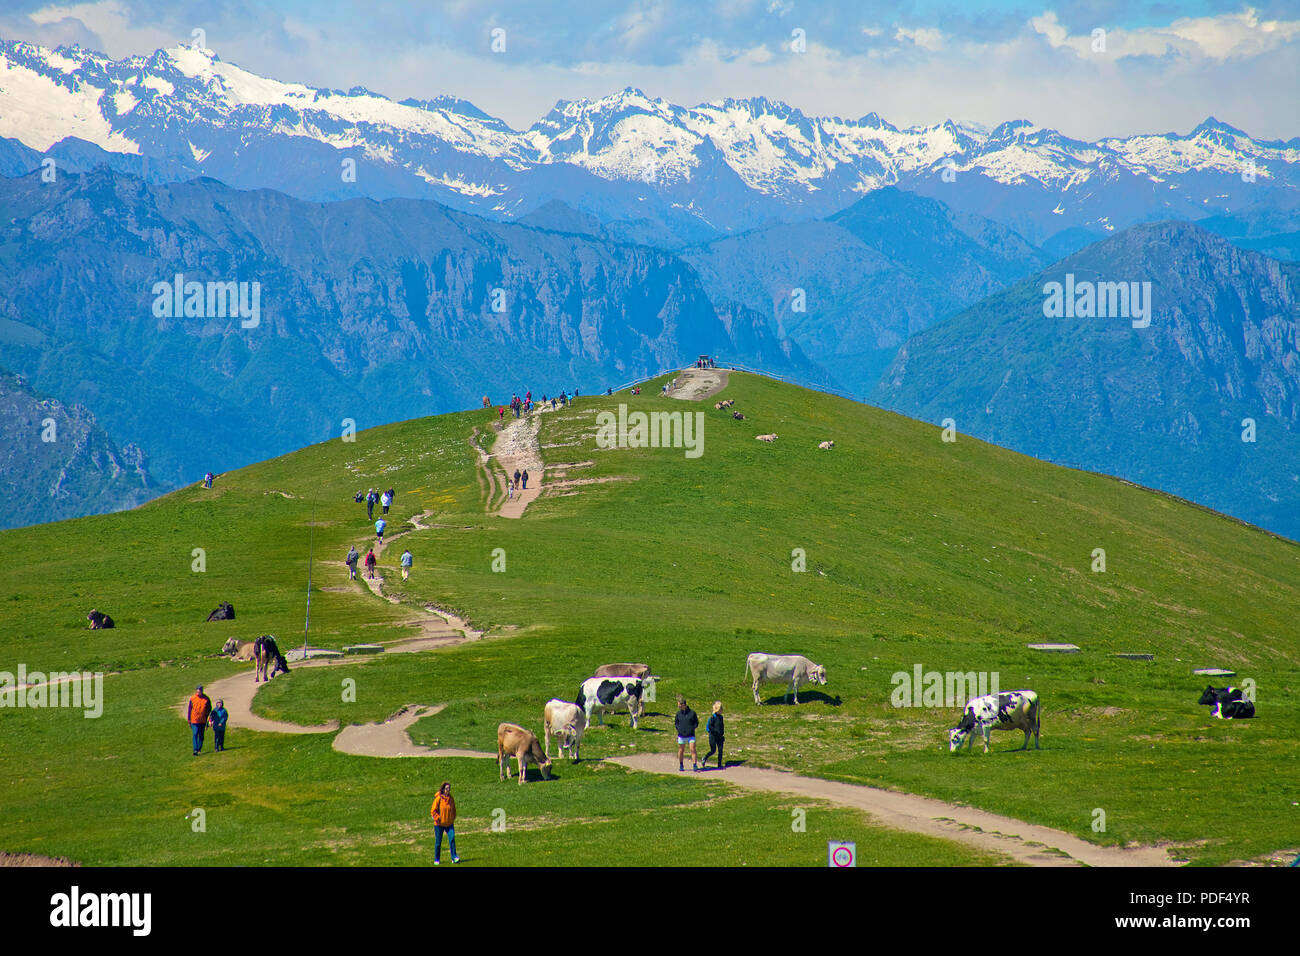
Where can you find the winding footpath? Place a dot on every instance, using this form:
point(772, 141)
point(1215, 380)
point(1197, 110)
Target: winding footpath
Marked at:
point(517, 446)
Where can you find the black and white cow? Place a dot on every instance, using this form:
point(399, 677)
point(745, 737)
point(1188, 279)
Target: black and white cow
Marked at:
point(602, 695)
point(1012, 710)
point(1234, 709)
point(1219, 695)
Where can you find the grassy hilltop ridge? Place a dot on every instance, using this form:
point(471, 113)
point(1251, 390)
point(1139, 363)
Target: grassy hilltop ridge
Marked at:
point(953, 556)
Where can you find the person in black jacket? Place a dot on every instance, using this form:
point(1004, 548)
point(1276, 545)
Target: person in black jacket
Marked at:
point(686, 723)
point(716, 733)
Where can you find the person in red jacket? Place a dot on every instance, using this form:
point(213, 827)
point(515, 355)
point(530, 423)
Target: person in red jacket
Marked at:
point(371, 561)
point(443, 812)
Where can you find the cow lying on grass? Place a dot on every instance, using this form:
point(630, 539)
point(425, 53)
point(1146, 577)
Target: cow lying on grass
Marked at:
point(224, 612)
point(240, 650)
point(767, 438)
point(99, 620)
point(566, 722)
point(727, 404)
point(1013, 710)
point(515, 741)
point(792, 670)
point(826, 445)
point(1219, 695)
point(1234, 710)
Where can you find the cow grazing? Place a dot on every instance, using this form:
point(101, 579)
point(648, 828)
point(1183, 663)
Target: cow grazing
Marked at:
point(523, 745)
point(566, 722)
point(737, 416)
point(266, 653)
point(1234, 710)
point(622, 670)
point(223, 612)
point(790, 669)
point(826, 445)
point(602, 695)
point(1219, 695)
point(766, 438)
point(1013, 710)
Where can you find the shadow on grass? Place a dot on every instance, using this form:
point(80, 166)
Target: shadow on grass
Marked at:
point(809, 697)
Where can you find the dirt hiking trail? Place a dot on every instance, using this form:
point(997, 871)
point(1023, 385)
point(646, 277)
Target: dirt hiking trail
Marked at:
point(517, 446)
point(1023, 842)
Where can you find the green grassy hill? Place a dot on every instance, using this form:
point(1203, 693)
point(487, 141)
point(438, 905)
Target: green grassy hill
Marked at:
point(953, 556)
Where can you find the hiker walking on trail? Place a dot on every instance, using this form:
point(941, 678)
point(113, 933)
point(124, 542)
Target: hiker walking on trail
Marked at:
point(351, 562)
point(686, 723)
point(370, 563)
point(501, 414)
point(197, 714)
point(716, 730)
point(525, 477)
point(380, 525)
point(443, 812)
point(218, 720)
point(386, 500)
point(510, 491)
point(207, 480)
point(407, 561)
point(370, 505)
point(517, 477)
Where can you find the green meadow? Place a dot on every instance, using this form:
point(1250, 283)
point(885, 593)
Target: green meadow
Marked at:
point(951, 555)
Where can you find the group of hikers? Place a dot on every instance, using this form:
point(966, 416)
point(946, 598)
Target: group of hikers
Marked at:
point(201, 714)
point(385, 501)
point(517, 484)
point(372, 498)
point(525, 406)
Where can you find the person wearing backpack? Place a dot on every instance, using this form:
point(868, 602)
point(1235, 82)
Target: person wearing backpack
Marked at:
point(443, 813)
point(371, 561)
point(351, 562)
point(407, 561)
point(380, 525)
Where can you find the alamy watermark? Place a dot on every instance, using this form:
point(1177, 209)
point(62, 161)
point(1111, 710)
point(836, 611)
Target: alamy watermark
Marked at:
point(1086, 299)
point(36, 690)
point(651, 430)
point(922, 688)
point(212, 300)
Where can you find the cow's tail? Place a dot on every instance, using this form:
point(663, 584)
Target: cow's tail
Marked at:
point(1038, 718)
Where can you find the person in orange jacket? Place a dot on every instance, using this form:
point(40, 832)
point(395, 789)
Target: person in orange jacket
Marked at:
point(197, 714)
point(443, 812)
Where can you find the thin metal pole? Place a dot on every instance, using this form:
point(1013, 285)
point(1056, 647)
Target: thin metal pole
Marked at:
point(311, 552)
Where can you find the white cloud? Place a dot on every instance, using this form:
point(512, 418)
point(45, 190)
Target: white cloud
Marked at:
point(927, 38)
point(1218, 37)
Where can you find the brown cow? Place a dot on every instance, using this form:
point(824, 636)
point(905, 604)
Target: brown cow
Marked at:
point(240, 650)
point(622, 670)
point(523, 745)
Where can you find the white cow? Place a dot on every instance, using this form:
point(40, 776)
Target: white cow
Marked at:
point(826, 445)
point(601, 695)
point(767, 438)
point(789, 669)
point(567, 722)
point(1012, 710)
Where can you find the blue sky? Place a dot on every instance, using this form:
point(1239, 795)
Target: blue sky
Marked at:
point(1165, 66)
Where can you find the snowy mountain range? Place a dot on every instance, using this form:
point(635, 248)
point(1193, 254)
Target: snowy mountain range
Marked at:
point(651, 171)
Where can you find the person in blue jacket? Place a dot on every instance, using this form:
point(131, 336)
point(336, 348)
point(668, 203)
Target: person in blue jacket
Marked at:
point(218, 720)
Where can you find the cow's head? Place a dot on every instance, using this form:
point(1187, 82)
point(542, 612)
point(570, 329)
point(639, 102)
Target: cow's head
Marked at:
point(956, 737)
point(230, 647)
point(1209, 697)
point(819, 674)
